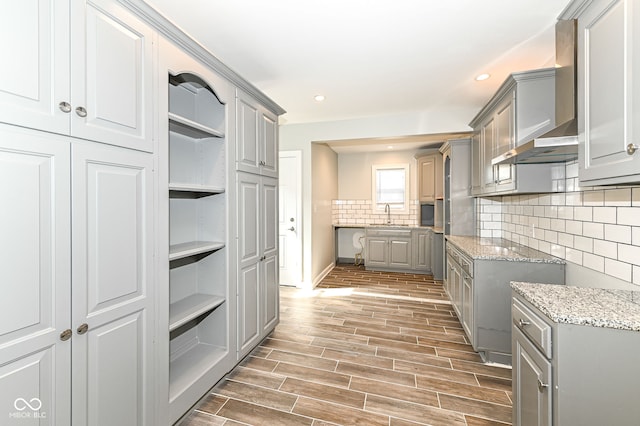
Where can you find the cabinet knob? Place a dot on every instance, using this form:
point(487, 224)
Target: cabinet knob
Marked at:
point(542, 386)
point(66, 335)
point(81, 111)
point(631, 148)
point(83, 328)
point(523, 323)
point(64, 106)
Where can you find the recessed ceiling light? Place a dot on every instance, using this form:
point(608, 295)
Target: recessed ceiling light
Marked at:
point(319, 98)
point(482, 77)
point(390, 147)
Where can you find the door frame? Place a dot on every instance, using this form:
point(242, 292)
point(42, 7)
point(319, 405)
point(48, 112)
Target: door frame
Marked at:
point(297, 155)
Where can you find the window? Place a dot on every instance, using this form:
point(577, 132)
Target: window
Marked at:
point(390, 185)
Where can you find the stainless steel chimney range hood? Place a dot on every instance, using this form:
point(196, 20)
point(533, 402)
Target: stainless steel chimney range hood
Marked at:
point(561, 143)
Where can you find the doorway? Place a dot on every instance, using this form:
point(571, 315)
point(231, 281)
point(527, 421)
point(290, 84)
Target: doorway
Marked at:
point(290, 219)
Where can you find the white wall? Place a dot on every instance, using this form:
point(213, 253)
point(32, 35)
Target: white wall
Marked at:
point(354, 172)
point(324, 188)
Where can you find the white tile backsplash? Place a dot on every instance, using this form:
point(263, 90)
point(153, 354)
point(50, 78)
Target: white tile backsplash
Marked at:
point(360, 212)
point(594, 227)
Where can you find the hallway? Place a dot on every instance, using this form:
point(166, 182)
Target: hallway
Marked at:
point(364, 348)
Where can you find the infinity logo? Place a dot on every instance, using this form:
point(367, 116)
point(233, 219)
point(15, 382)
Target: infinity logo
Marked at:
point(22, 404)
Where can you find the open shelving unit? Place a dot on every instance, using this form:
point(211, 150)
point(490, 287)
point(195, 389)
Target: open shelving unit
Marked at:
point(198, 256)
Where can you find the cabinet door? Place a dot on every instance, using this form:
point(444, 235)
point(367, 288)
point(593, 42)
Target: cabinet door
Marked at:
point(467, 307)
point(422, 250)
point(476, 163)
point(503, 142)
point(247, 148)
point(377, 252)
point(269, 144)
point(249, 253)
point(269, 243)
point(35, 364)
point(112, 294)
point(531, 372)
point(488, 143)
point(34, 77)
point(248, 308)
point(400, 253)
point(112, 75)
point(609, 54)
point(427, 172)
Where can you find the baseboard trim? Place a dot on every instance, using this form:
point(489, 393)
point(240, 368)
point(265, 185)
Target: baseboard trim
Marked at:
point(322, 274)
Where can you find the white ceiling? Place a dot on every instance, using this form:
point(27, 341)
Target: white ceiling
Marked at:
point(371, 57)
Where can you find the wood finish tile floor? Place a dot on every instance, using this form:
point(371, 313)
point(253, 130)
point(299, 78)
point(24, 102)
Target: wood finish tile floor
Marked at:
point(363, 348)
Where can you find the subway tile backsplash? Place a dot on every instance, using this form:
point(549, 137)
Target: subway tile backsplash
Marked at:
point(595, 227)
point(359, 212)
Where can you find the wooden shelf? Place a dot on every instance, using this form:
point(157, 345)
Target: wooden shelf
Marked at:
point(196, 188)
point(191, 307)
point(187, 127)
point(191, 366)
point(182, 250)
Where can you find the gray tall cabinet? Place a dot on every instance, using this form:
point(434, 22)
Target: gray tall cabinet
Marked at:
point(118, 170)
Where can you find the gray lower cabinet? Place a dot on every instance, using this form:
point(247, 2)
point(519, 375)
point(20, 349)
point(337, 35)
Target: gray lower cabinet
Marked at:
point(399, 249)
point(566, 374)
point(422, 240)
point(388, 249)
point(480, 293)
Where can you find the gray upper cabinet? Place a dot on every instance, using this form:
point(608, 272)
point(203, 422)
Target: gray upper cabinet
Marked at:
point(257, 128)
point(608, 101)
point(522, 109)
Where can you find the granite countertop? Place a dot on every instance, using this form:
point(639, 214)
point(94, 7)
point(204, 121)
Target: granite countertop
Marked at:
point(499, 249)
point(596, 307)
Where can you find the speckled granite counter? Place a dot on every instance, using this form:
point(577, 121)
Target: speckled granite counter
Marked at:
point(500, 249)
point(619, 309)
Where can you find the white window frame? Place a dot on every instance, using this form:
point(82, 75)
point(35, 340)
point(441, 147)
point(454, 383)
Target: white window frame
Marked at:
point(379, 207)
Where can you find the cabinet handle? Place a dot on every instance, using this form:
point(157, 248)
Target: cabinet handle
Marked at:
point(83, 328)
point(66, 335)
point(64, 106)
point(542, 386)
point(631, 148)
point(523, 323)
point(81, 111)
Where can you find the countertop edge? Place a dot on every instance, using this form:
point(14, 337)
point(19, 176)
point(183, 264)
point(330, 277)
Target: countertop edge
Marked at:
point(583, 306)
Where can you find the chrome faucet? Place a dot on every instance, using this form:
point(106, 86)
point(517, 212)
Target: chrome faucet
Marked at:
point(387, 210)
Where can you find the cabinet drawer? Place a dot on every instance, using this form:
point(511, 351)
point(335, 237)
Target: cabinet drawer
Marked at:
point(388, 232)
point(532, 326)
point(467, 265)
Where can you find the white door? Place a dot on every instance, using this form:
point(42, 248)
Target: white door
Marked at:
point(112, 280)
point(35, 362)
point(290, 218)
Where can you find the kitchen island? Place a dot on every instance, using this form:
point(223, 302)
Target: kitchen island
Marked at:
point(575, 355)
